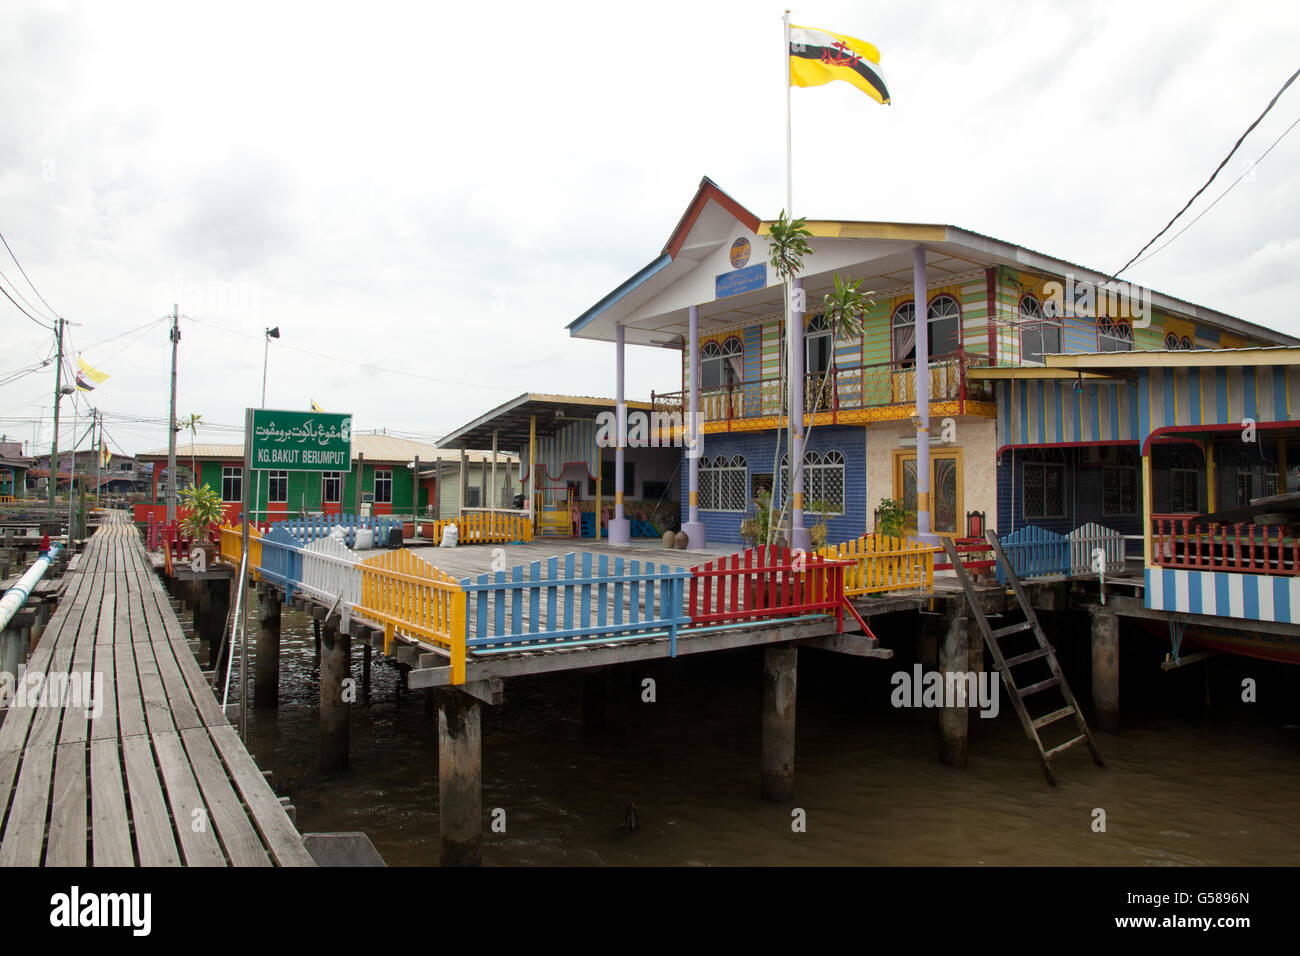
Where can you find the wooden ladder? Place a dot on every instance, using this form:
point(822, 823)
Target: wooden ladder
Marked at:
point(1044, 652)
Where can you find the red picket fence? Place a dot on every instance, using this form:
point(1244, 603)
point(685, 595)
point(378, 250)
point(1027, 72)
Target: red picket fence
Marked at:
point(1178, 542)
point(766, 582)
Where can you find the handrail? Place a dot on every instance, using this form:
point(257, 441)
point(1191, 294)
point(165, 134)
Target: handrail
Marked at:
point(1179, 542)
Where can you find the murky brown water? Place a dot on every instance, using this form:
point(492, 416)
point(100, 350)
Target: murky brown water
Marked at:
point(1181, 788)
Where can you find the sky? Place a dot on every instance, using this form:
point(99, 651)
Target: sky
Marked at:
point(421, 196)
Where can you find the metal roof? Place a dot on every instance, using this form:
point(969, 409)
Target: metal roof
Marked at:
point(512, 421)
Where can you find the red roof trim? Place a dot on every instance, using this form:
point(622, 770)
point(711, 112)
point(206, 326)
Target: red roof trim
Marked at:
point(708, 190)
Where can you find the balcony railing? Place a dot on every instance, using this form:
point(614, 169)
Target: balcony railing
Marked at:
point(1178, 542)
point(834, 391)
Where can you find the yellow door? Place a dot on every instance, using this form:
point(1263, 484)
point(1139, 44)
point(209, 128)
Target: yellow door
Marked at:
point(945, 489)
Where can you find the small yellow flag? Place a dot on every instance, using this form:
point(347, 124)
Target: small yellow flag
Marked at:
point(819, 56)
point(315, 407)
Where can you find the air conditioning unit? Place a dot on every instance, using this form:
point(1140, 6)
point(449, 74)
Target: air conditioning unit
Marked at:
point(1100, 455)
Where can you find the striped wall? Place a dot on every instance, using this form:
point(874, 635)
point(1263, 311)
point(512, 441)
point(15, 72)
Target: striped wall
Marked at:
point(575, 443)
point(1251, 597)
point(1044, 412)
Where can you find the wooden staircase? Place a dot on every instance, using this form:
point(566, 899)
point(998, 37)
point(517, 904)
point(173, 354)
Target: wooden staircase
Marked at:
point(1033, 656)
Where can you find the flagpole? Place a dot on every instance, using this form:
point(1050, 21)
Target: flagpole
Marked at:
point(789, 197)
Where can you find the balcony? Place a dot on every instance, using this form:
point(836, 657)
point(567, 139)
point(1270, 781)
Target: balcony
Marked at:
point(1177, 541)
point(838, 394)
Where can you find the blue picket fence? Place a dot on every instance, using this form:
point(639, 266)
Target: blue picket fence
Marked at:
point(574, 602)
point(316, 527)
point(1035, 552)
point(281, 558)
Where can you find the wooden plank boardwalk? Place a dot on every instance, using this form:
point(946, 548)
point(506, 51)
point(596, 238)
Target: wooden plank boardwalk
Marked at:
point(157, 777)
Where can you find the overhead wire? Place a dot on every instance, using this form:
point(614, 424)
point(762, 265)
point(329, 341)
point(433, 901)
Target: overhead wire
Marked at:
point(53, 314)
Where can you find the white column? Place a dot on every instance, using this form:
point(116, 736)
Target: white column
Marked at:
point(620, 529)
point(800, 537)
point(921, 318)
point(694, 527)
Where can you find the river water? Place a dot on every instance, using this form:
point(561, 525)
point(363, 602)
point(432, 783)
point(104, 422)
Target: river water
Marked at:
point(1183, 786)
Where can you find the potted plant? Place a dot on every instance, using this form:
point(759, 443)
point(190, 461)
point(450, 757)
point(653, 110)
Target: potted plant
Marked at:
point(203, 509)
point(817, 533)
point(891, 518)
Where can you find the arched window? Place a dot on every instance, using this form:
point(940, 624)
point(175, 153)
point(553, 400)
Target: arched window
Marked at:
point(1039, 335)
point(723, 482)
point(1186, 344)
point(1044, 483)
point(1184, 484)
point(944, 328)
point(721, 365)
point(823, 481)
point(819, 343)
point(1113, 336)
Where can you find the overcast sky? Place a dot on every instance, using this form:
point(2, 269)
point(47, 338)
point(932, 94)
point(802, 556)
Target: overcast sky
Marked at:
point(436, 191)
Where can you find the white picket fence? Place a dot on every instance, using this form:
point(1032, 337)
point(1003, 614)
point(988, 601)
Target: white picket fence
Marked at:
point(1086, 539)
point(331, 570)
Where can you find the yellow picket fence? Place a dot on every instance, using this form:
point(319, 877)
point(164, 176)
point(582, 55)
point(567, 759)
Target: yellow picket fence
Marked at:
point(483, 527)
point(230, 547)
point(402, 591)
point(882, 564)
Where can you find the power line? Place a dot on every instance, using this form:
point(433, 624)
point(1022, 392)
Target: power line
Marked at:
point(43, 325)
point(1221, 195)
point(53, 314)
point(1241, 139)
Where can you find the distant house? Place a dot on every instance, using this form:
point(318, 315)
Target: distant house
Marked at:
point(382, 479)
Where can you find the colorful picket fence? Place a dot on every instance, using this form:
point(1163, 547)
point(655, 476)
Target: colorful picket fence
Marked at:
point(230, 547)
point(878, 563)
point(766, 582)
point(483, 527)
point(329, 572)
point(1091, 537)
point(1035, 552)
point(315, 527)
point(409, 596)
point(281, 559)
point(575, 601)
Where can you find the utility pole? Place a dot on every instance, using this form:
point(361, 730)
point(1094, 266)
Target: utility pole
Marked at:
point(98, 446)
point(171, 420)
point(54, 442)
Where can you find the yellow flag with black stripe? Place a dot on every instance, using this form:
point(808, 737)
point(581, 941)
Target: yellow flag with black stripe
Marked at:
point(819, 56)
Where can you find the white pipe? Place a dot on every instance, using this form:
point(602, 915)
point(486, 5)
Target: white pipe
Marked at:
point(17, 595)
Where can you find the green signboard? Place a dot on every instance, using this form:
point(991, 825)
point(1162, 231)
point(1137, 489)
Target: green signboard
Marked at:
point(301, 441)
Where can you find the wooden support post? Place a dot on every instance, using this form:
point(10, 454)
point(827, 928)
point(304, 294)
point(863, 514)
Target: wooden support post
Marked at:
point(954, 658)
point(927, 642)
point(460, 778)
point(315, 630)
point(38, 626)
point(335, 668)
point(975, 654)
point(593, 699)
point(266, 682)
point(780, 674)
point(13, 644)
point(1105, 669)
point(366, 651)
point(210, 618)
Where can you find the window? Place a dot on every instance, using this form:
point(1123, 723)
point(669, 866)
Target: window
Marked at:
point(722, 483)
point(721, 365)
point(1044, 483)
point(823, 480)
point(232, 483)
point(384, 486)
point(1270, 479)
point(1245, 481)
point(818, 345)
point(1184, 484)
point(471, 497)
point(1174, 343)
point(1038, 336)
point(607, 480)
point(944, 329)
point(1114, 336)
point(331, 487)
point(654, 491)
point(1119, 484)
point(277, 486)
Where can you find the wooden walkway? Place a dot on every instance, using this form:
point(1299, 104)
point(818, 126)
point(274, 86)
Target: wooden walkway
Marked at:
point(158, 777)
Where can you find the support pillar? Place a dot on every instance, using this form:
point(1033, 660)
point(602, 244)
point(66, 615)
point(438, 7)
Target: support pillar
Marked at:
point(780, 673)
point(460, 778)
point(927, 642)
point(315, 631)
point(694, 527)
point(1105, 669)
point(921, 323)
point(335, 668)
point(620, 529)
point(975, 654)
point(366, 651)
point(954, 658)
point(13, 645)
point(38, 626)
point(210, 618)
point(800, 537)
point(266, 679)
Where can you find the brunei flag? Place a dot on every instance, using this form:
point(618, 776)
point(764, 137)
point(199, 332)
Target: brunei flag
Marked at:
point(104, 455)
point(315, 407)
point(87, 377)
point(818, 57)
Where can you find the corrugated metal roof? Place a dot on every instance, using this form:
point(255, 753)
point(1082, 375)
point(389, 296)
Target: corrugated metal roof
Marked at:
point(376, 448)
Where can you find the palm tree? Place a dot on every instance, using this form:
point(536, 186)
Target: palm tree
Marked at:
point(843, 308)
point(192, 423)
point(787, 246)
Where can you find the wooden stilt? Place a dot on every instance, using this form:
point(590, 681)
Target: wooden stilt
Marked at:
point(460, 784)
point(780, 674)
point(1105, 669)
point(335, 667)
point(266, 685)
point(954, 658)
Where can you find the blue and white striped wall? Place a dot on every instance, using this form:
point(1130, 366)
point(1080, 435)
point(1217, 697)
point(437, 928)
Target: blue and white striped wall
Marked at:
point(1047, 412)
point(1216, 395)
point(1249, 597)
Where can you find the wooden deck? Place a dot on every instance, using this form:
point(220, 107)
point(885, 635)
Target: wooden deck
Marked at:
point(158, 777)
